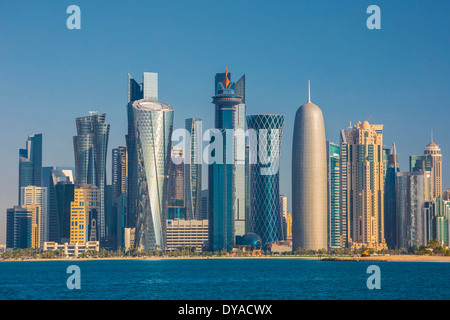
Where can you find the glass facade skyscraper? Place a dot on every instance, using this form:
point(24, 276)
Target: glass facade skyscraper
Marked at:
point(153, 124)
point(221, 173)
point(193, 169)
point(30, 163)
point(410, 200)
point(18, 227)
point(390, 206)
point(90, 149)
point(240, 143)
point(136, 91)
point(266, 217)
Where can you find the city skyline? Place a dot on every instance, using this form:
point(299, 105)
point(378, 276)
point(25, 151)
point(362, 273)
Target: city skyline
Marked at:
point(339, 96)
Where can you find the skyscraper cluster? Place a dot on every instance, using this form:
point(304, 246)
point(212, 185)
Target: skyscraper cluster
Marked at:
point(350, 194)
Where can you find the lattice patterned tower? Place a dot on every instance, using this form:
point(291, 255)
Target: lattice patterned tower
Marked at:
point(266, 218)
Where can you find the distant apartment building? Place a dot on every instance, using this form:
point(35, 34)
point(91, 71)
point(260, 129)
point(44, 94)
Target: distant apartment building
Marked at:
point(128, 238)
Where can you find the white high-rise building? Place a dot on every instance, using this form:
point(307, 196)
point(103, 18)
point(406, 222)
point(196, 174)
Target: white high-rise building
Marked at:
point(32, 195)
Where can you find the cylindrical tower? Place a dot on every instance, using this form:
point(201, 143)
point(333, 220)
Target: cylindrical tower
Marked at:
point(266, 218)
point(309, 179)
point(153, 130)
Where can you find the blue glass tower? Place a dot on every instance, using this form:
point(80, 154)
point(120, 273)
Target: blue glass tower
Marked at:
point(390, 205)
point(18, 228)
point(221, 180)
point(30, 163)
point(266, 218)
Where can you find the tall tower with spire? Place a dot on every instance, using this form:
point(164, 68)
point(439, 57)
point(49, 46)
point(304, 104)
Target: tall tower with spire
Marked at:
point(222, 172)
point(309, 179)
point(433, 151)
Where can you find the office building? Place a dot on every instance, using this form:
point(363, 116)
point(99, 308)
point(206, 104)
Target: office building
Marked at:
point(30, 163)
point(149, 155)
point(176, 178)
point(186, 234)
point(18, 227)
point(47, 176)
point(266, 218)
point(283, 212)
point(437, 220)
point(37, 196)
point(84, 212)
point(73, 250)
point(193, 169)
point(221, 173)
point(333, 195)
point(119, 171)
point(148, 89)
point(90, 149)
point(430, 161)
point(61, 195)
point(248, 183)
point(365, 185)
point(309, 179)
point(35, 210)
point(409, 222)
point(240, 143)
point(390, 202)
point(128, 238)
point(205, 204)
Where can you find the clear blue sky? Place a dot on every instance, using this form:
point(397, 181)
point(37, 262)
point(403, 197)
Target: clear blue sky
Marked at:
point(49, 75)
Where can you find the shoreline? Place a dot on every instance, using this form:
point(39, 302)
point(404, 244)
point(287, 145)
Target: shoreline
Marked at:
point(393, 258)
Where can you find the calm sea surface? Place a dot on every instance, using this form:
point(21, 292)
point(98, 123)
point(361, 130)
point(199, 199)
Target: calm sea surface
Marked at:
point(223, 279)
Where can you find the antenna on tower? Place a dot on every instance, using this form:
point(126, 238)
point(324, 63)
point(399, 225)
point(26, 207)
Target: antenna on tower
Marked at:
point(431, 135)
point(309, 91)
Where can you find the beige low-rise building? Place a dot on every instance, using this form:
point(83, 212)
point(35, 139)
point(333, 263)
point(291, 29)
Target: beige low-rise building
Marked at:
point(72, 249)
point(187, 233)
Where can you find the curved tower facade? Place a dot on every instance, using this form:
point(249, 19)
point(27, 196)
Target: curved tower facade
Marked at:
point(266, 218)
point(90, 149)
point(309, 179)
point(153, 123)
